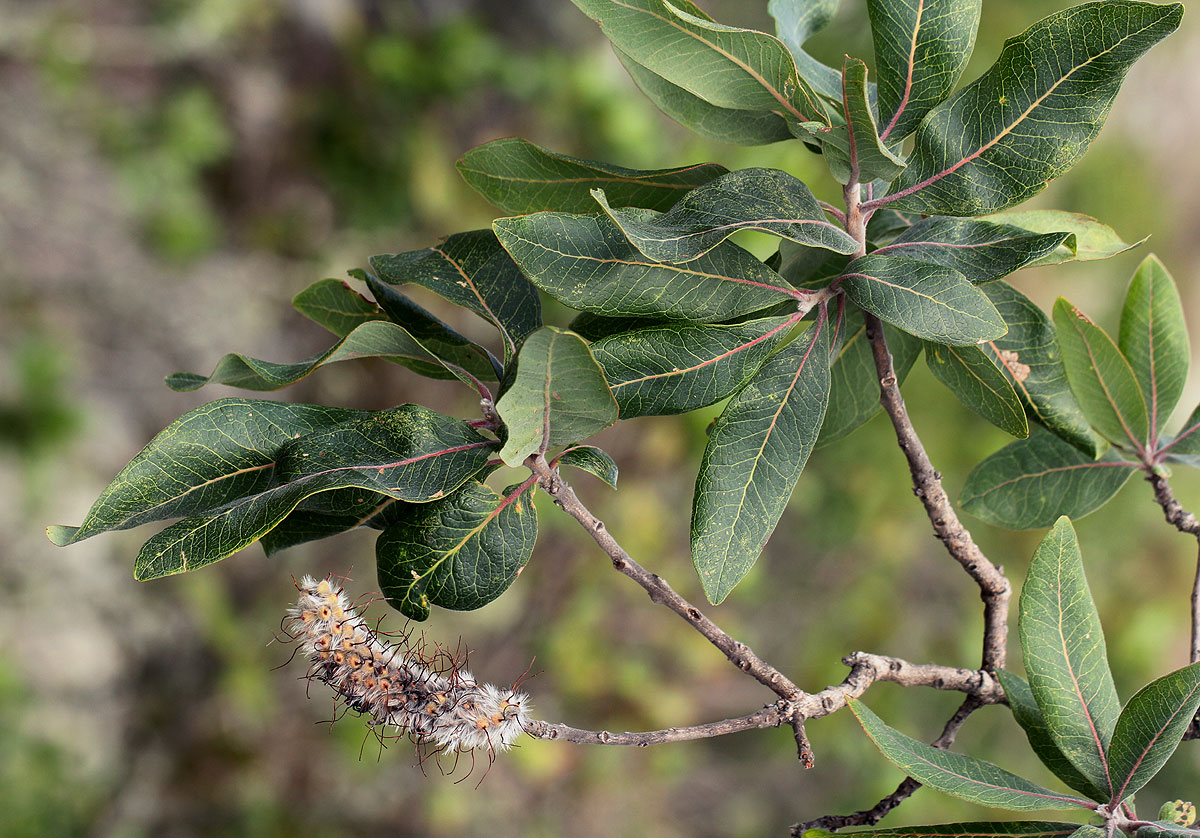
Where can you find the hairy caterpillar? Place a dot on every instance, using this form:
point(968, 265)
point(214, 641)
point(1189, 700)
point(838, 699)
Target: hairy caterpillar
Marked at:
point(442, 708)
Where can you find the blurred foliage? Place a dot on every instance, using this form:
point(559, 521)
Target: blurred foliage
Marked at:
point(326, 131)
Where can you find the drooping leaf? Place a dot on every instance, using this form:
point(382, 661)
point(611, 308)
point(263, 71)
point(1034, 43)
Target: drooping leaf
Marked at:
point(473, 271)
point(222, 450)
point(409, 453)
point(587, 263)
point(460, 552)
point(795, 22)
point(1029, 357)
point(1065, 656)
point(854, 150)
point(1029, 716)
point(854, 382)
point(929, 301)
point(1000, 140)
point(979, 384)
point(1150, 728)
point(559, 396)
point(679, 367)
point(373, 339)
point(1088, 241)
point(725, 125)
point(1154, 339)
point(520, 177)
point(959, 775)
point(979, 250)
point(591, 459)
point(333, 304)
point(749, 199)
point(1101, 378)
point(921, 48)
point(726, 66)
point(1028, 484)
point(755, 453)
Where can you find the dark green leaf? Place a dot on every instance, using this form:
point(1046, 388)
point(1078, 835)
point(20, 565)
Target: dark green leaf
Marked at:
point(886, 224)
point(1150, 728)
point(854, 381)
point(1003, 829)
point(810, 267)
point(1088, 241)
point(854, 150)
point(958, 775)
point(728, 67)
point(749, 199)
point(1029, 716)
point(1101, 378)
point(725, 125)
point(1166, 829)
point(1029, 357)
point(755, 453)
point(921, 48)
point(1187, 442)
point(587, 263)
point(409, 453)
point(591, 459)
point(594, 327)
point(979, 384)
point(1065, 656)
point(520, 177)
point(559, 396)
point(795, 22)
point(1028, 484)
point(341, 510)
point(220, 451)
point(1154, 339)
point(677, 367)
point(979, 250)
point(1000, 140)
point(928, 301)
point(373, 339)
point(333, 304)
point(473, 271)
point(460, 552)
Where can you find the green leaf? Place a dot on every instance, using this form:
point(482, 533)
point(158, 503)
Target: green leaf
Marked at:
point(854, 151)
point(220, 451)
point(723, 65)
point(979, 384)
point(795, 22)
point(587, 263)
point(725, 125)
point(333, 304)
point(1151, 727)
point(373, 339)
point(1101, 378)
point(1028, 484)
point(1003, 829)
point(520, 177)
point(1187, 442)
point(749, 199)
point(921, 49)
point(854, 382)
point(1029, 716)
point(595, 327)
point(1065, 656)
point(755, 453)
point(979, 250)
point(1029, 357)
point(559, 396)
point(473, 271)
point(677, 367)
point(409, 453)
point(460, 552)
point(929, 301)
point(1154, 339)
point(1029, 118)
point(1088, 241)
point(337, 511)
point(810, 267)
point(1166, 829)
point(958, 775)
point(591, 459)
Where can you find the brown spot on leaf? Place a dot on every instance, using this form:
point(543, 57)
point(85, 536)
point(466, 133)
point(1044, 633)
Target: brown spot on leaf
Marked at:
point(1012, 360)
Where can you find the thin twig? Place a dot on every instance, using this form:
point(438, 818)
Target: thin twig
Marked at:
point(927, 485)
point(770, 716)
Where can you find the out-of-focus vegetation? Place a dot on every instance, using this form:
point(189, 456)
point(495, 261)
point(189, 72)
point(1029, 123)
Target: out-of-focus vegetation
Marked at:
point(171, 173)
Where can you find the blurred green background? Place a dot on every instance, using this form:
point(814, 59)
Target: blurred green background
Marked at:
point(173, 172)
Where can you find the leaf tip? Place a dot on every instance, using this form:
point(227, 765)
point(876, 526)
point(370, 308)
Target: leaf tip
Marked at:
point(61, 536)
